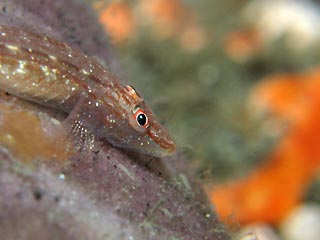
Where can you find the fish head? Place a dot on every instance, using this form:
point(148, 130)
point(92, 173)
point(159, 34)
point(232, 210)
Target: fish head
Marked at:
point(135, 126)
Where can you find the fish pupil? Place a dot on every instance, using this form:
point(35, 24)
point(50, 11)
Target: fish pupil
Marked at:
point(142, 119)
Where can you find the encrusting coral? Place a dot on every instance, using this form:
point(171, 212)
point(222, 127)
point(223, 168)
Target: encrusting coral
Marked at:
point(278, 185)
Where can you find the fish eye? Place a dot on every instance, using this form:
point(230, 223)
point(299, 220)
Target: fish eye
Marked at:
point(141, 118)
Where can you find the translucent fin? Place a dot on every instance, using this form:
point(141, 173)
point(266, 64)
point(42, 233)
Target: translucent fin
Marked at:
point(77, 130)
point(82, 137)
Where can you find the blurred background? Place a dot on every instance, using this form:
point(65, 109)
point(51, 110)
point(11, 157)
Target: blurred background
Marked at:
point(237, 83)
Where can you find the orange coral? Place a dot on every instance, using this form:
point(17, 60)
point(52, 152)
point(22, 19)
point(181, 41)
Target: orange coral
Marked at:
point(168, 18)
point(118, 20)
point(243, 44)
point(171, 18)
point(278, 185)
point(166, 15)
point(192, 38)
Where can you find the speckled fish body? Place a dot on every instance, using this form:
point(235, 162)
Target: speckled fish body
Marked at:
point(51, 73)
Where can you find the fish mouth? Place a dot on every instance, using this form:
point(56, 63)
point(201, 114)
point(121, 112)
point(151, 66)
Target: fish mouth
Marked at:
point(169, 151)
point(167, 145)
point(164, 152)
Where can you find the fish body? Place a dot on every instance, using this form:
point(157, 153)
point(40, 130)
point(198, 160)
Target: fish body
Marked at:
point(52, 73)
